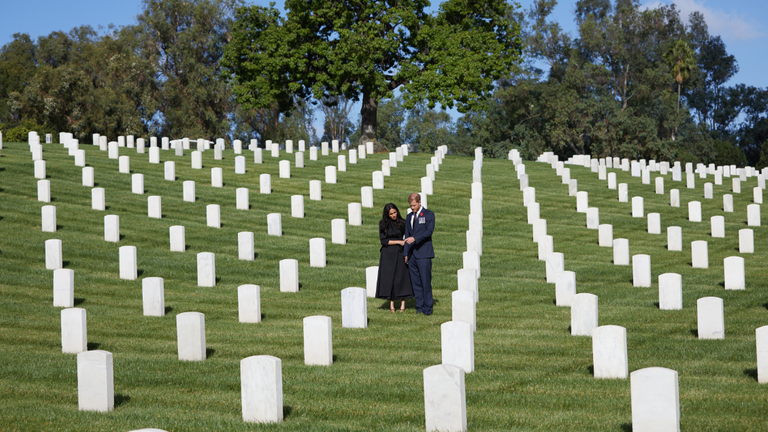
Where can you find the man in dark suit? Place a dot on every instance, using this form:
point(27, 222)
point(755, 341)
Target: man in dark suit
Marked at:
point(418, 252)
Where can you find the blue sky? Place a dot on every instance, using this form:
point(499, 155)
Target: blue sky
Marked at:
point(740, 23)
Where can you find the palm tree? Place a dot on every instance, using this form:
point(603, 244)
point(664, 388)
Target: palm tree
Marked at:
point(681, 60)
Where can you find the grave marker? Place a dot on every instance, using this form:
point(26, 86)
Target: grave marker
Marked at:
point(95, 381)
point(297, 206)
point(74, 331)
point(354, 308)
point(655, 400)
point(245, 245)
point(554, 266)
point(289, 275)
point(128, 263)
point(318, 341)
point(153, 296)
point(583, 314)
point(63, 288)
point(699, 254)
point(670, 291)
point(733, 269)
point(317, 252)
point(445, 407)
point(315, 190)
point(641, 270)
point(206, 269)
point(265, 184)
point(457, 345)
point(98, 201)
point(371, 279)
point(694, 211)
point(621, 251)
point(463, 307)
point(746, 240)
point(609, 352)
point(565, 288)
point(190, 336)
point(249, 303)
point(274, 224)
point(53, 254)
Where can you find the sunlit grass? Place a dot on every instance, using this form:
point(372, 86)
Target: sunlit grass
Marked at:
point(530, 373)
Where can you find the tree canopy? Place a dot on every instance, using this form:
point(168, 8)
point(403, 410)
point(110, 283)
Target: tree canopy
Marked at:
point(367, 50)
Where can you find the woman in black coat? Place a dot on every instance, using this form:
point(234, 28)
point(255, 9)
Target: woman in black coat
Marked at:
point(394, 282)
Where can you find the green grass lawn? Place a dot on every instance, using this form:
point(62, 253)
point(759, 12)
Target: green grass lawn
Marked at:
point(531, 374)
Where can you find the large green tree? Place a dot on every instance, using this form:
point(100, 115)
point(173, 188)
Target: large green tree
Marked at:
point(368, 49)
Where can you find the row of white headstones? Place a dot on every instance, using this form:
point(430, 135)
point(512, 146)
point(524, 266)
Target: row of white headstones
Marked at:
point(457, 335)
point(654, 391)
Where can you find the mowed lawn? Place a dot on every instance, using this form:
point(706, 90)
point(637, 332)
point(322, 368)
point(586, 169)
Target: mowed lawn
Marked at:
point(531, 374)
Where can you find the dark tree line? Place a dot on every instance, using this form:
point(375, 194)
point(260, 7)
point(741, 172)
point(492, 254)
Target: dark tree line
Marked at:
point(631, 83)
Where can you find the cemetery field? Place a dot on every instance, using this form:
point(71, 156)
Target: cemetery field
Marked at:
point(530, 373)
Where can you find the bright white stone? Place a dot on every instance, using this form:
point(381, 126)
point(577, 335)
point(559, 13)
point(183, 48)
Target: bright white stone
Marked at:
point(761, 340)
point(315, 190)
point(660, 185)
point(655, 400)
point(654, 223)
point(217, 179)
point(753, 215)
point(88, 176)
point(95, 381)
point(128, 263)
point(728, 203)
point(289, 275)
point(674, 238)
point(153, 296)
point(565, 288)
point(317, 252)
point(265, 184)
point(583, 314)
point(137, 184)
point(112, 228)
point(190, 336)
point(746, 240)
point(378, 180)
point(593, 218)
point(154, 155)
point(545, 246)
point(708, 191)
point(298, 160)
point(154, 207)
point(44, 191)
point(641, 270)
point(638, 210)
point(611, 180)
point(274, 224)
point(532, 212)
point(330, 174)
point(285, 169)
point(717, 226)
point(355, 214)
point(582, 202)
point(53, 254)
point(471, 260)
point(48, 218)
point(318, 341)
point(457, 345)
point(206, 269)
point(371, 279)
point(733, 268)
point(710, 318)
point(354, 308)
point(699, 254)
point(539, 229)
point(249, 303)
point(339, 231)
point(605, 235)
point(670, 291)
point(621, 251)
point(245, 245)
point(674, 198)
point(124, 164)
point(623, 193)
point(609, 352)
point(694, 211)
point(554, 266)
point(426, 185)
point(366, 193)
point(467, 281)
point(463, 307)
point(63, 288)
point(98, 200)
point(297, 206)
point(736, 185)
point(445, 407)
point(342, 163)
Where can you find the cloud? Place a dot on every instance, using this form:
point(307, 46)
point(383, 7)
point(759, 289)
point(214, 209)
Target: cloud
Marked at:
point(729, 25)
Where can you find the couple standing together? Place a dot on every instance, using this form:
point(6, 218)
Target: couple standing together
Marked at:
point(405, 266)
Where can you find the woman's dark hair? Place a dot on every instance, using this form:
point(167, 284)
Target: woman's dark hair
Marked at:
point(385, 222)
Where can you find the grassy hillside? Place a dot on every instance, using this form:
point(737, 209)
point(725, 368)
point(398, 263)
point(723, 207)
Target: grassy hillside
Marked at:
point(531, 374)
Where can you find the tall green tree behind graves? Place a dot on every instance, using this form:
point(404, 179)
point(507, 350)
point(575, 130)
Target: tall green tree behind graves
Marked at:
point(366, 50)
point(185, 40)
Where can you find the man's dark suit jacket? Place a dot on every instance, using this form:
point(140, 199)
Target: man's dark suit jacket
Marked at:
point(421, 233)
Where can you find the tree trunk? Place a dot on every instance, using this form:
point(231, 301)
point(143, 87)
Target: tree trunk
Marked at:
point(369, 124)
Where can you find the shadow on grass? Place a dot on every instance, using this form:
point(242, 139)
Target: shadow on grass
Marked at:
point(722, 284)
point(765, 305)
point(657, 305)
point(335, 358)
point(139, 272)
point(93, 346)
point(695, 333)
point(591, 369)
point(752, 373)
point(218, 279)
point(58, 227)
point(287, 410)
point(626, 427)
point(263, 316)
point(209, 352)
point(121, 399)
point(168, 309)
point(78, 301)
point(186, 247)
point(122, 236)
point(65, 263)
